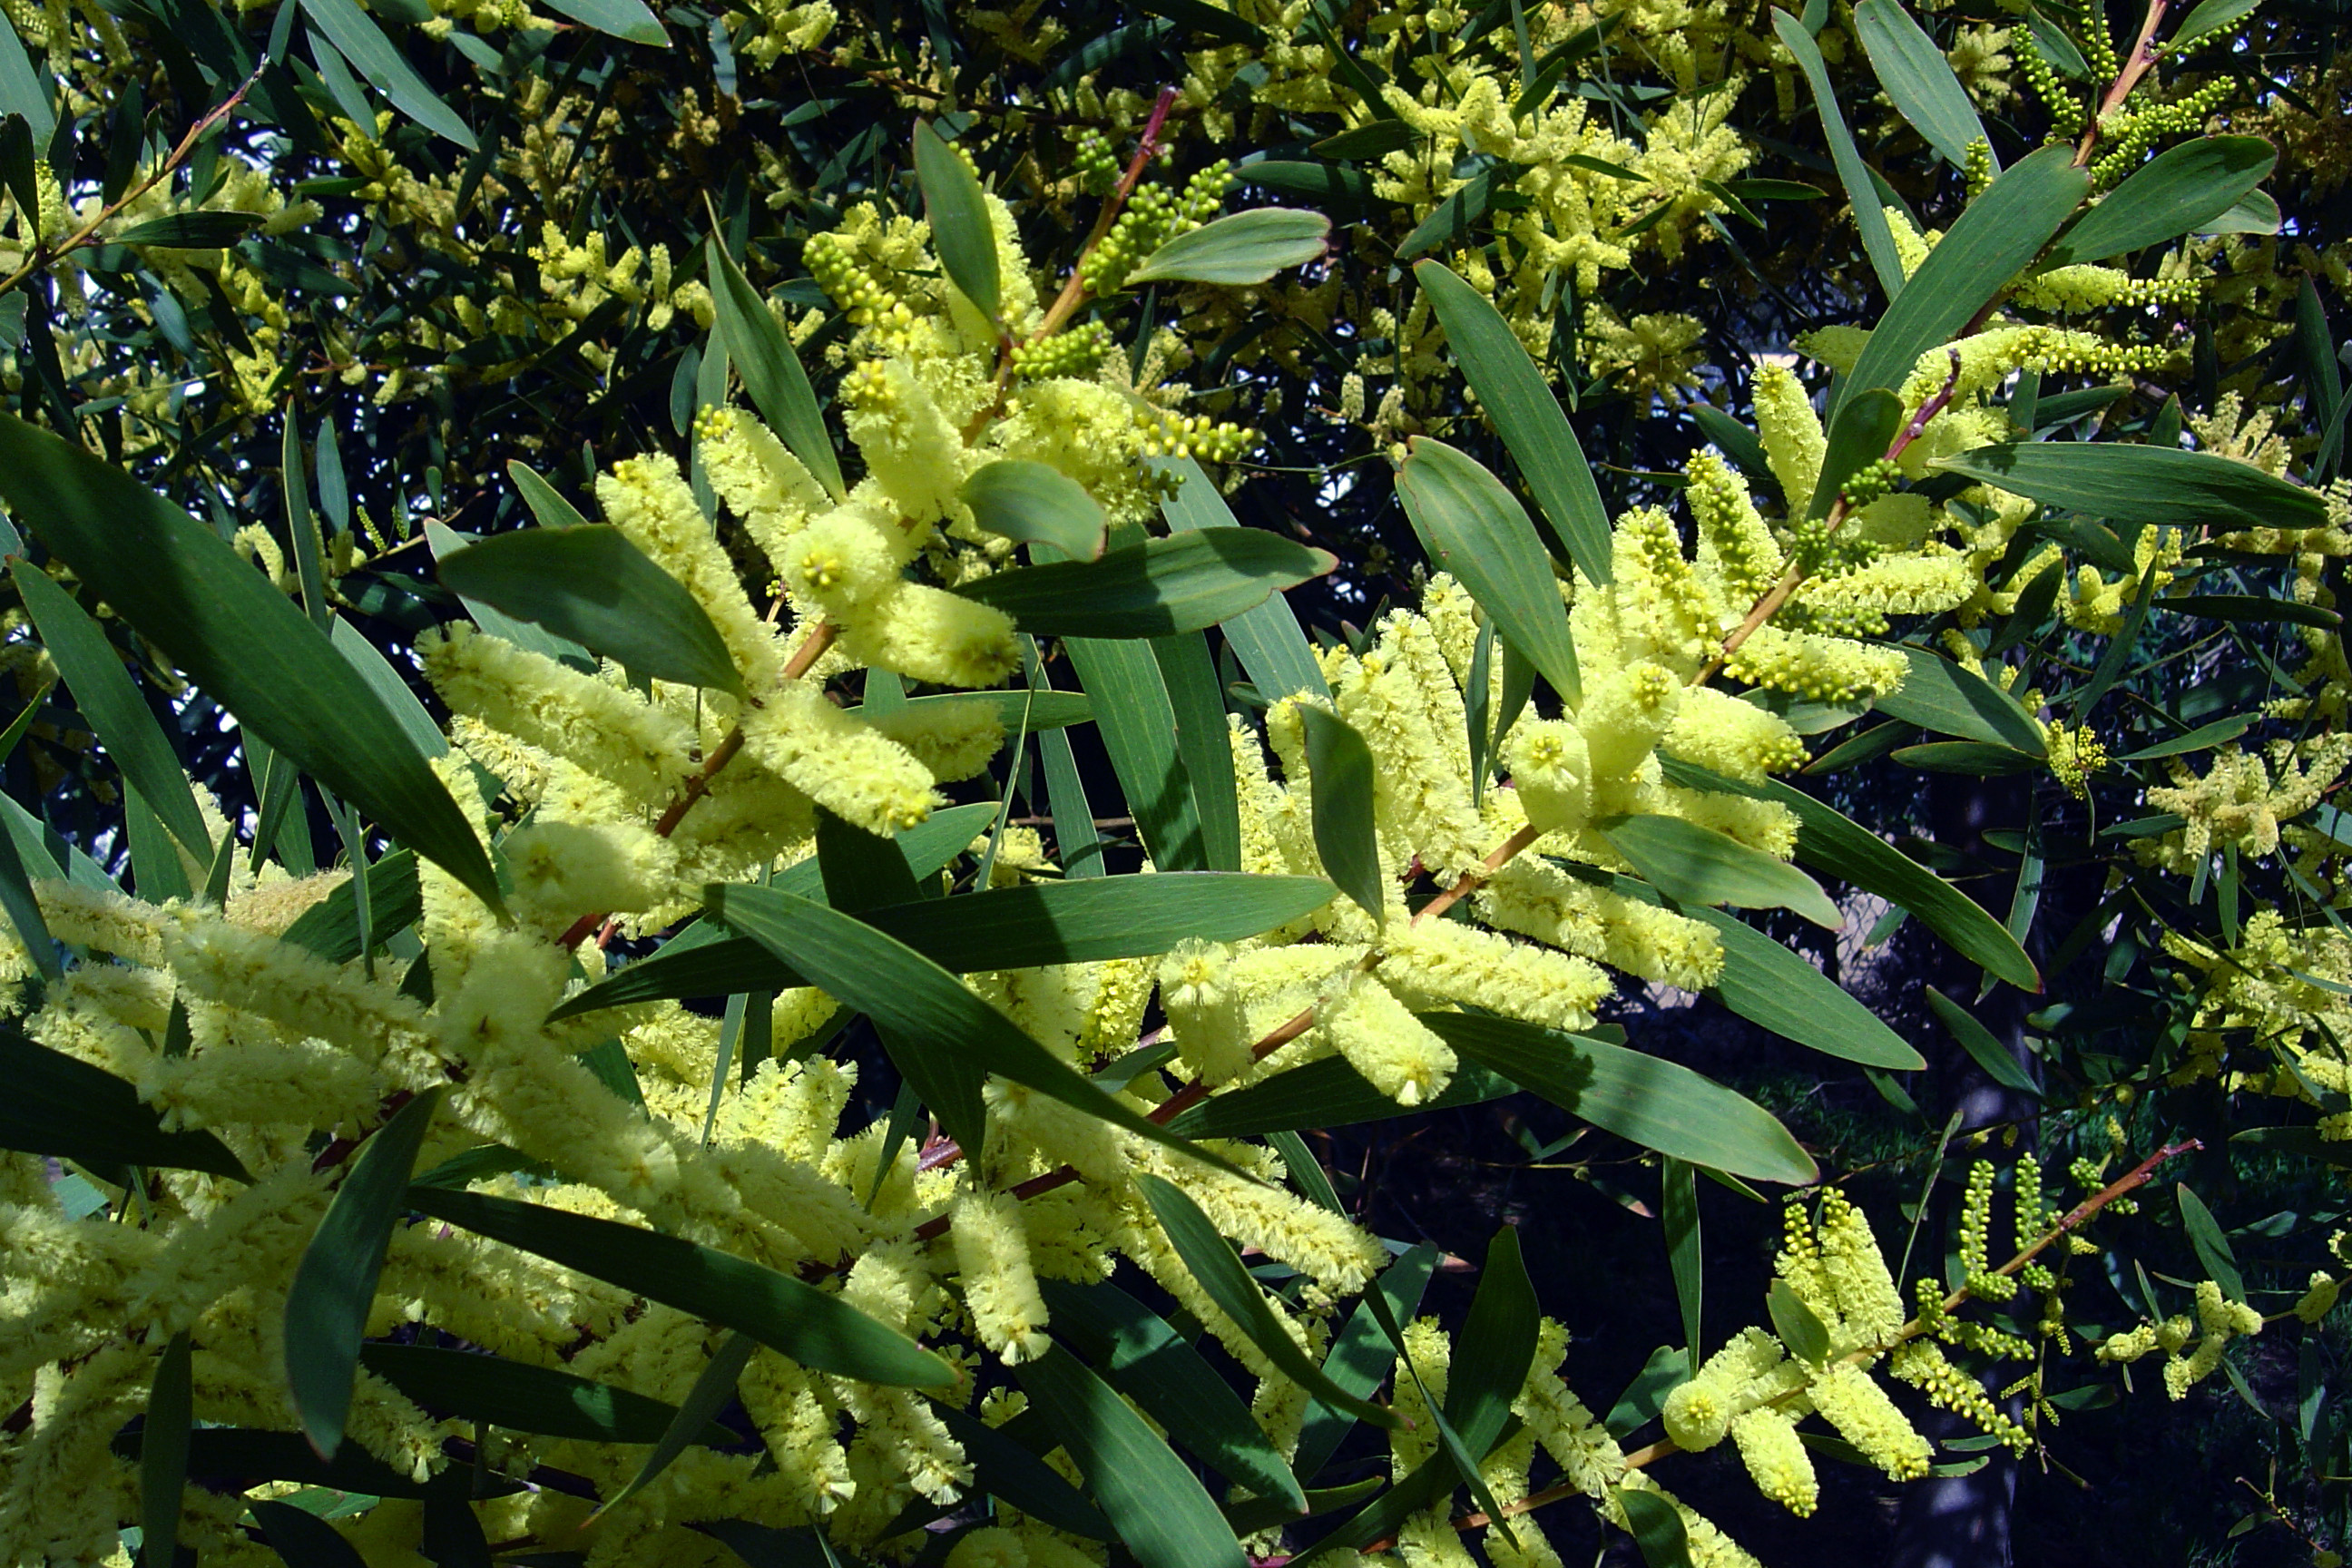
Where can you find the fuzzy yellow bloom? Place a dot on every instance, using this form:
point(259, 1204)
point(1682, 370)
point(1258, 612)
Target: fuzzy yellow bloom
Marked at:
point(1453, 962)
point(1396, 1052)
point(1777, 1460)
point(1553, 773)
point(992, 1250)
point(952, 741)
point(841, 763)
point(1851, 1400)
point(929, 634)
point(1203, 1004)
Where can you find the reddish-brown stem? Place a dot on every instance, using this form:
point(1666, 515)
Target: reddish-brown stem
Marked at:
point(2135, 65)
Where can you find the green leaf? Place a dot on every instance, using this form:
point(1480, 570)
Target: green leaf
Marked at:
point(1266, 636)
point(961, 232)
point(1027, 500)
point(253, 1456)
point(302, 1539)
point(1495, 1347)
point(23, 909)
point(1136, 716)
point(1185, 583)
point(1452, 221)
point(2203, 738)
point(1045, 709)
point(1800, 1328)
point(1863, 428)
point(1220, 1273)
point(2177, 192)
point(772, 372)
point(941, 1036)
point(1658, 1104)
point(374, 56)
point(1325, 1092)
point(1695, 865)
point(2250, 607)
point(1362, 1355)
point(1919, 80)
point(1987, 247)
point(1520, 405)
point(1340, 766)
point(26, 91)
point(1376, 140)
point(1144, 1358)
point(17, 174)
point(626, 19)
point(334, 1285)
point(1204, 750)
point(714, 1388)
point(1005, 1469)
point(1211, 21)
point(1983, 1049)
point(2256, 212)
point(1311, 181)
point(238, 639)
point(817, 1329)
point(1869, 215)
point(493, 1391)
point(190, 230)
point(1938, 695)
point(2210, 16)
point(1240, 249)
point(1979, 759)
point(164, 1456)
point(2212, 1248)
point(447, 541)
point(1678, 1214)
point(62, 1106)
point(104, 691)
point(1155, 1503)
point(2143, 484)
point(1474, 528)
point(330, 927)
point(1650, 1519)
point(590, 586)
point(1765, 984)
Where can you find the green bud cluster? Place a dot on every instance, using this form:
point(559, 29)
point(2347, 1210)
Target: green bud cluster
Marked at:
point(1196, 436)
point(1977, 170)
point(2066, 117)
point(2107, 358)
point(1154, 215)
point(2099, 48)
point(1818, 551)
point(1097, 163)
point(1075, 353)
point(1869, 483)
point(846, 282)
point(2133, 132)
point(1976, 1228)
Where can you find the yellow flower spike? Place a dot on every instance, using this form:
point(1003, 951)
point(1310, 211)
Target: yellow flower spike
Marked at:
point(1777, 1459)
point(1397, 1053)
point(843, 765)
point(992, 1249)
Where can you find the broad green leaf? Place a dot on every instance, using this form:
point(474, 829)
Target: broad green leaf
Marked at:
point(2211, 16)
point(62, 1106)
point(1474, 528)
point(520, 1397)
point(546, 503)
point(334, 1285)
point(1006, 1470)
point(1524, 412)
point(386, 683)
point(1695, 865)
point(626, 19)
point(1869, 215)
point(860, 870)
point(1219, 1271)
point(1044, 709)
point(1204, 749)
point(1376, 140)
point(1651, 1519)
point(26, 89)
point(1027, 500)
point(1919, 79)
point(714, 1388)
point(2177, 192)
point(330, 927)
point(1240, 249)
point(447, 541)
point(592, 587)
point(238, 639)
point(1210, 21)
point(2212, 1248)
point(772, 372)
point(1799, 1328)
point(1979, 759)
point(1139, 1354)
point(1865, 426)
point(23, 909)
point(356, 36)
point(961, 232)
point(1361, 1356)
point(941, 1034)
point(1135, 714)
point(1976, 1040)
point(303, 1539)
point(1340, 766)
point(104, 691)
point(1495, 1347)
point(1645, 1100)
point(1082, 922)
point(1938, 695)
point(253, 1456)
point(1765, 984)
point(1685, 1257)
point(190, 230)
point(1428, 1484)
point(1987, 247)
point(1452, 222)
point(1306, 180)
point(17, 172)
point(1266, 637)
point(1185, 583)
point(819, 1330)
point(1325, 1092)
point(1155, 1503)
point(2143, 484)
point(2203, 738)
point(164, 1456)
point(2256, 212)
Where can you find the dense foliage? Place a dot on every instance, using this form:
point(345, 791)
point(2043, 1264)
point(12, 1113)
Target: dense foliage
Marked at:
point(769, 761)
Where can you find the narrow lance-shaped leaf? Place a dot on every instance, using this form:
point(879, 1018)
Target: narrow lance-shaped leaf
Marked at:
point(1218, 1271)
point(104, 691)
point(2180, 191)
point(2143, 484)
point(1186, 583)
point(627, 19)
point(1652, 1522)
point(23, 909)
point(957, 211)
point(1239, 250)
point(1474, 528)
point(1983, 1048)
point(592, 587)
point(164, 1457)
point(62, 1106)
point(1919, 80)
point(236, 638)
point(1678, 1213)
point(1135, 714)
point(1865, 426)
point(1361, 1356)
point(1696, 865)
point(1765, 984)
point(1524, 412)
point(334, 1285)
point(1869, 217)
point(522, 1397)
point(1028, 501)
point(301, 1538)
point(363, 42)
point(772, 372)
point(713, 1388)
point(1495, 1347)
point(1266, 636)
point(1939, 695)
point(2210, 1244)
point(1340, 766)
